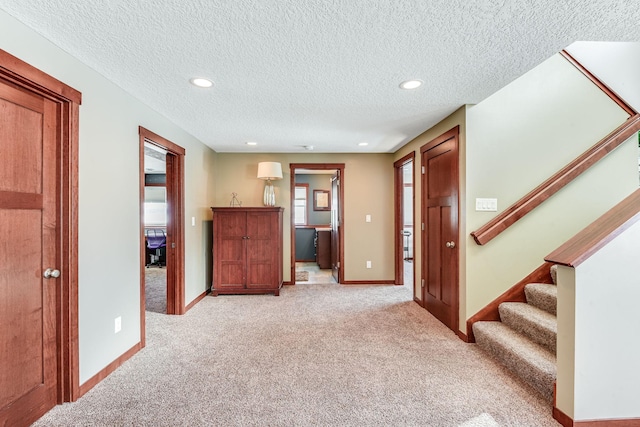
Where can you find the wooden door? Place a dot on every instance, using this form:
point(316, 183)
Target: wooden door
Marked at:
point(28, 246)
point(229, 250)
point(440, 235)
point(261, 246)
point(336, 223)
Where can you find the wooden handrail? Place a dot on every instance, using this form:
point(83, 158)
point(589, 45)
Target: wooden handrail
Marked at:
point(561, 178)
point(599, 233)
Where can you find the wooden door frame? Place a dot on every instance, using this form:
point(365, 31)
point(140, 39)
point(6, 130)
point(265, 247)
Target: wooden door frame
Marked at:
point(453, 133)
point(175, 225)
point(398, 182)
point(316, 166)
point(68, 100)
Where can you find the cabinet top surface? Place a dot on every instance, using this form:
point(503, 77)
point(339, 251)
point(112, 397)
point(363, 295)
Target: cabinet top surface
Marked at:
point(247, 209)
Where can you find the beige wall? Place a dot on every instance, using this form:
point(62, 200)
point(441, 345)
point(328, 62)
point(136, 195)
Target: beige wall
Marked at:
point(368, 189)
point(455, 119)
point(516, 139)
point(109, 211)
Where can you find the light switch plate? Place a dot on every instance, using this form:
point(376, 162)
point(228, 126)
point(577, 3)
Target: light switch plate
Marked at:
point(486, 205)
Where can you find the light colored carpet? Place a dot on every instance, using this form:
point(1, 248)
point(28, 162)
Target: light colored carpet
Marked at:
point(155, 289)
point(317, 355)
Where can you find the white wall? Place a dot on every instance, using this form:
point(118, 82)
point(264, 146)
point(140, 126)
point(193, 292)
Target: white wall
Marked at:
point(109, 247)
point(615, 63)
point(517, 138)
point(598, 365)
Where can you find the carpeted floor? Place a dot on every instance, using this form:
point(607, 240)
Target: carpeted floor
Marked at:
point(155, 289)
point(317, 355)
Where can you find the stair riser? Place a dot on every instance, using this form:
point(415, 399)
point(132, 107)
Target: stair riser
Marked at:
point(538, 379)
point(544, 334)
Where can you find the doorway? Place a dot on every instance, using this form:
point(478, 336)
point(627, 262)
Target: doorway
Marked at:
point(155, 228)
point(440, 213)
point(174, 227)
point(404, 224)
point(38, 242)
point(316, 222)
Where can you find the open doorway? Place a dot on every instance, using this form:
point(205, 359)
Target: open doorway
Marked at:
point(155, 227)
point(171, 258)
point(316, 218)
point(404, 224)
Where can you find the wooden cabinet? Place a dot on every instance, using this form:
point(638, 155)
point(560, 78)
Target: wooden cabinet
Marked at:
point(323, 248)
point(247, 250)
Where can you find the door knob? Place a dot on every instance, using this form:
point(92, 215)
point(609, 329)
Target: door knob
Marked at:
point(51, 273)
point(450, 245)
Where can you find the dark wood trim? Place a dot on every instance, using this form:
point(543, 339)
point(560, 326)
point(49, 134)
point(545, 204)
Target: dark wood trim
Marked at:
point(306, 260)
point(368, 282)
point(607, 90)
point(288, 283)
point(107, 370)
point(175, 225)
point(160, 141)
point(562, 418)
point(552, 185)
point(35, 80)
point(584, 244)
point(195, 301)
point(398, 214)
point(566, 421)
point(514, 294)
point(462, 336)
point(313, 226)
point(292, 173)
point(68, 102)
point(143, 244)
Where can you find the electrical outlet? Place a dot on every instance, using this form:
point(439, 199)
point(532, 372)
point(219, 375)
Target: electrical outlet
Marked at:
point(368, 264)
point(118, 324)
point(193, 221)
point(367, 218)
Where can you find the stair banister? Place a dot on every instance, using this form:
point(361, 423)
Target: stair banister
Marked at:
point(567, 174)
point(552, 185)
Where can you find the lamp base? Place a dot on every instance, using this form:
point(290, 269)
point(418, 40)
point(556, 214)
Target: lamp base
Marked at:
point(269, 194)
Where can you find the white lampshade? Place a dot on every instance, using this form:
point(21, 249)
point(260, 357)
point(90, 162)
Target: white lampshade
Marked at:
point(269, 170)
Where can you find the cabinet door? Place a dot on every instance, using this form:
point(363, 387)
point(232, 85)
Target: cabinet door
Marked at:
point(262, 250)
point(229, 230)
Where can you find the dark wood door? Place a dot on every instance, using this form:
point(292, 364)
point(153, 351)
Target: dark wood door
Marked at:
point(28, 246)
point(440, 235)
point(229, 249)
point(262, 228)
point(336, 223)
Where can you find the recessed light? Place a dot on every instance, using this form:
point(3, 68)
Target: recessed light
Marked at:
point(363, 144)
point(252, 143)
point(200, 82)
point(411, 84)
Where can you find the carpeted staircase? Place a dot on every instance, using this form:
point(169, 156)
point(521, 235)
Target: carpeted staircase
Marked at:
point(525, 338)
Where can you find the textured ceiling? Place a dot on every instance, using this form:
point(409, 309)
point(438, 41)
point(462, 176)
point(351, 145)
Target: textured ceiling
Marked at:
point(321, 73)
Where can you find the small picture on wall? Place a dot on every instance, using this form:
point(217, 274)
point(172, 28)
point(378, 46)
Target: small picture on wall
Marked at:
point(321, 200)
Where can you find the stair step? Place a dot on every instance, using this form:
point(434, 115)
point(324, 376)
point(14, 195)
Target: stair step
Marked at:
point(538, 325)
point(554, 273)
point(528, 360)
point(542, 295)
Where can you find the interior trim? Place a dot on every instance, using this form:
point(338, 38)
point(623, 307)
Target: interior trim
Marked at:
point(107, 370)
point(608, 91)
point(514, 294)
point(566, 421)
point(315, 166)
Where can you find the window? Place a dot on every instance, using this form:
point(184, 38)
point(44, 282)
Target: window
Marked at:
point(301, 198)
